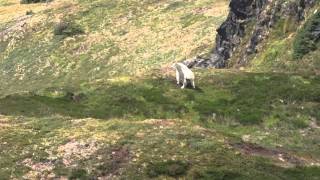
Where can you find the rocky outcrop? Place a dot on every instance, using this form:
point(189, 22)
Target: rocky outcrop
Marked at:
point(257, 15)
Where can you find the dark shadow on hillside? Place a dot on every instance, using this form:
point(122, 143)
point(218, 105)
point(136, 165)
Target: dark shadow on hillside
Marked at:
point(132, 100)
point(224, 166)
point(248, 98)
point(245, 97)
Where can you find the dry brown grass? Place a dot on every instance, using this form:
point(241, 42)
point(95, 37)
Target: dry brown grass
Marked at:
point(14, 9)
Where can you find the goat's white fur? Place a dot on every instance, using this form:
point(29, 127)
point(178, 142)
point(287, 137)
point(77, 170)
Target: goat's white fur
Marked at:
point(183, 73)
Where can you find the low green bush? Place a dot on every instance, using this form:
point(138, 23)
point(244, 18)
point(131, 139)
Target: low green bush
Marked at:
point(67, 29)
point(169, 168)
point(306, 40)
point(30, 12)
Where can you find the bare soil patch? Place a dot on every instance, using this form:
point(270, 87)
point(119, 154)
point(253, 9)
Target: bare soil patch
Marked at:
point(282, 157)
point(39, 170)
point(113, 162)
point(160, 122)
point(76, 150)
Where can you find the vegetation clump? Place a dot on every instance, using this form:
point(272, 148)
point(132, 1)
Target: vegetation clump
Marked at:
point(307, 39)
point(30, 12)
point(170, 168)
point(33, 1)
point(67, 29)
point(78, 174)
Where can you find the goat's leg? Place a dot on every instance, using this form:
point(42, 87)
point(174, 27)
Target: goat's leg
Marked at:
point(178, 77)
point(184, 83)
point(193, 84)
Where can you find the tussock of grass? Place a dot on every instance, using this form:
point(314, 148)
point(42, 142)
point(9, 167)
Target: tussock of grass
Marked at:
point(67, 29)
point(169, 168)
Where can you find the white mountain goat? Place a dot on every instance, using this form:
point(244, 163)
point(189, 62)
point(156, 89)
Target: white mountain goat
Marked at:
point(183, 74)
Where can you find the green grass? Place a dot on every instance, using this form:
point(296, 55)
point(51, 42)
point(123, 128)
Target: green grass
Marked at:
point(99, 104)
point(271, 108)
point(305, 41)
point(246, 99)
point(170, 168)
point(289, 47)
point(190, 19)
point(120, 38)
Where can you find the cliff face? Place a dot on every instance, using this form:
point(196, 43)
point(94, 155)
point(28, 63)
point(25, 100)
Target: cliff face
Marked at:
point(249, 23)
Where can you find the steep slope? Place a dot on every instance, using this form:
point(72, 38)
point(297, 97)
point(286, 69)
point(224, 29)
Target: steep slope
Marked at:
point(260, 34)
point(120, 38)
point(86, 93)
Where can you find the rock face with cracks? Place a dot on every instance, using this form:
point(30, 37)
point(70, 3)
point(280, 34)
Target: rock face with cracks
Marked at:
point(249, 17)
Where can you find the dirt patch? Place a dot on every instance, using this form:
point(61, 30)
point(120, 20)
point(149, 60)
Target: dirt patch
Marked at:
point(113, 162)
point(16, 30)
point(283, 158)
point(217, 9)
point(160, 122)
point(119, 155)
point(5, 122)
point(164, 72)
point(39, 170)
point(313, 124)
point(76, 150)
point(201, 10)
point(167, 71)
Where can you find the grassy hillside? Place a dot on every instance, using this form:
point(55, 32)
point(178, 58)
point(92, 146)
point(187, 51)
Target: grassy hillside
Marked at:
point(290, 47)
point(235, 125)
point(120, 38)
point(103, 104)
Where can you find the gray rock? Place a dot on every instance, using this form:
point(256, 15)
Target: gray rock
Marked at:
point(263, 14)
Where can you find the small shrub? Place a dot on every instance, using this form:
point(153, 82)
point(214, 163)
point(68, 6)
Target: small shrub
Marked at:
point(305, 40)
point(169, 168)
point(67, 29)
point(175, 5)
point(69, 96)
point(251, 118)
point(78, 174)
point(33, 1)
point(30, 12)
point(217, 174)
